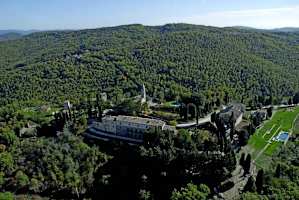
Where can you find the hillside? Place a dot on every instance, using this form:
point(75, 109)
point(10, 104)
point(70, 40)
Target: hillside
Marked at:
point(286, 29)
point(171, 60)
point(10, 36)
point(21, 32)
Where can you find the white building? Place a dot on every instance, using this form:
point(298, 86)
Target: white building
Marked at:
point(126, 128)
point(67, 105)
point(143, 95)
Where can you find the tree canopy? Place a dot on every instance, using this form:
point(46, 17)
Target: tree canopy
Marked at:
point(171, 60)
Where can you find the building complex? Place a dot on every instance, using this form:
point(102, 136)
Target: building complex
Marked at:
point(126, 128)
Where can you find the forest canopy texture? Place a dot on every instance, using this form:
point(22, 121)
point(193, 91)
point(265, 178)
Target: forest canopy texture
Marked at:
point(170, 60)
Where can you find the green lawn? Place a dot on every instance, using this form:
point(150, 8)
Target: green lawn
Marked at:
point(166, 115)
point(169, 104)
point(36, 115)
point(281, 121)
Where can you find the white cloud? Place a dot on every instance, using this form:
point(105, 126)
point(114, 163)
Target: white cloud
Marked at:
point(260, 18)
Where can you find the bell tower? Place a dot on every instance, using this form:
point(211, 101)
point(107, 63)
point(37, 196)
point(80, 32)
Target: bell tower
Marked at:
point(143, 95)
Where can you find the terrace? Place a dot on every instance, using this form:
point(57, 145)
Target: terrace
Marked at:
point(272, 134)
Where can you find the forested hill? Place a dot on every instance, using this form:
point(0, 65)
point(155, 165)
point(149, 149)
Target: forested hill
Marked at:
point(171, 60)
point(10, 36)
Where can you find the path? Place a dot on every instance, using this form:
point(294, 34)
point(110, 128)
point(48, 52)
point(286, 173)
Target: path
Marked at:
point(280, 106)
point(269, 131)
point(239, 182)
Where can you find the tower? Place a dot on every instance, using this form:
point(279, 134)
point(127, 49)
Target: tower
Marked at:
point(143, 95)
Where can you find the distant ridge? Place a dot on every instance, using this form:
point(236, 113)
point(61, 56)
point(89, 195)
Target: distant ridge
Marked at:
point(248, 28)
point(10, 36)
point(286, 29)
point(243, 27)
point(21, 32)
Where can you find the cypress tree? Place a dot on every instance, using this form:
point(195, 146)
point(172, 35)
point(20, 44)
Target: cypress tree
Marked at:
point(278, 171)
point(242, 160)
point(259, 181)
point(247, 164)
point(250, 185)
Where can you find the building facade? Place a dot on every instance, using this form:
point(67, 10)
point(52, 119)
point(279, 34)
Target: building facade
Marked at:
point(229, 118)
point(233, 112)
point(125, 128)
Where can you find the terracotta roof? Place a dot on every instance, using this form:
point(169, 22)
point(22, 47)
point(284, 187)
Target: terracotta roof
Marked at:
point(236, 109)
point(137, 120)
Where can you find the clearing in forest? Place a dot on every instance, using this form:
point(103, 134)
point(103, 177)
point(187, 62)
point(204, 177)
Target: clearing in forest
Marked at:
point(262, 143)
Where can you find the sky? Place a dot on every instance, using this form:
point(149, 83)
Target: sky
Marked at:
point(81, 14)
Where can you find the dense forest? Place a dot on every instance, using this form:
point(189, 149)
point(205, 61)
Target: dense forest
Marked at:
point(62, 164)
point(178, 58)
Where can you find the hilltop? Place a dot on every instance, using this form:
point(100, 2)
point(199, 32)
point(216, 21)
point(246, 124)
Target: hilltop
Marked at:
point(171, 60)
point(287, 29)
point(10, 36)
point(20, 32)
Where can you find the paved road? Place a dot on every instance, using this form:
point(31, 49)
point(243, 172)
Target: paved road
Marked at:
point(193, 123)
point(280, 106)
point(201, 121)
point(207, 118)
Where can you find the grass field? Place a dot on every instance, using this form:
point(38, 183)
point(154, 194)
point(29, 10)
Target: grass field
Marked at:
point(282, 120)
point(37, 115)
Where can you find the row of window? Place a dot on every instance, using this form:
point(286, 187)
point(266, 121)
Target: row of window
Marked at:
point(135, 136)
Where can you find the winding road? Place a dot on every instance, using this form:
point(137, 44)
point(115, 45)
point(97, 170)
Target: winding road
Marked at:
point(193, 123)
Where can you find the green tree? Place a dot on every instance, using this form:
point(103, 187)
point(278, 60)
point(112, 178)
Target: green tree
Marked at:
point(296, 98)
point(269, 112)
point(278, 170)
point(2, 180)
point(144, 195)
point(6, 161)
point(247, 164)
point(242, 159)
point(6, 196)
point(252, 196)
point(259, 181)
point(250, 185)
point(8, 137)
point(243, 137)
point(22, 180)
point(35, 185)
point(191, 192)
